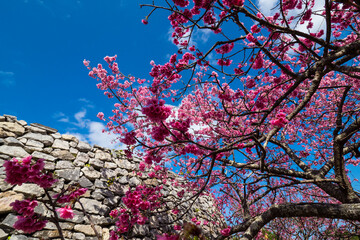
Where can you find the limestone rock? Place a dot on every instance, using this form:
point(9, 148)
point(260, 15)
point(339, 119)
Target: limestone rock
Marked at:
point(12, 127)
point(5, 134)
point(61, 144)
point(63, 154)
point(87, 230)
point(83, 146)
point(34, 143)
point(3, 235)
point(45, 139)
point(35, 129)
point(102, 155)
point(91, 173)
point(68, 137)
point(69, 174)
point(29, 189)
point(93, 206)
point(96, 163)
point(38, 155)
point(11, 141)
point(14, 151)
point(64, 165)
point(48, 129)
point(6, 198)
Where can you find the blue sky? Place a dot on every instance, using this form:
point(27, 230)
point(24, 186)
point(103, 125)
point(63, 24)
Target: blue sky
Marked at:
point(43, 44)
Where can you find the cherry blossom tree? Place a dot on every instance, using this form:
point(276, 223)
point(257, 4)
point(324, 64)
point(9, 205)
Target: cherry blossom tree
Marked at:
point(265, 115)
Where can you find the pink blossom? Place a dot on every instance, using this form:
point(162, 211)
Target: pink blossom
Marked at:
point(29, 224)
point(66, 212)
point(25, 207)
point(144, 21)
point(226, 231)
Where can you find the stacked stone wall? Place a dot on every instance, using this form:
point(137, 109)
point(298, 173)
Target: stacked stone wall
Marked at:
point(107, 174)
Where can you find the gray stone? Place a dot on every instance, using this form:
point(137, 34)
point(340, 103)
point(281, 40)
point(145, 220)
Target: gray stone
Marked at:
point(56, 135)
point(102, 155)
point(23, 140)
point(100, 184)
point(4, 134)
point(141, 230)
point(81, 159)
point(2, 119)
point(73, 144)
point(69, 174)
point(68, 137)
point(91, 173)
point(22, 122)
point(3, 235)
point(63, 225)
point(12, 127)
point(13, 151)
point(29, 189)
point(126, 165)
point(112, 201)
point(108, 173)
point(93, 206)
point(97, 195)
point(61, 144)
point(51, 234)
point(123, 180)
point(63, 154)
point(74, 151)
point(83, 146)
point(48, 129)
point(8, 222)
point(2, 141)
point(20, 237)
point(45, 139)
point(79, 236)
point(91, 154)
point(35, 129)
point(30, 150)
point(96, 163)
point(11, 141)
point(110, 165)
point(49, 166)
point(38, 155)
point(134, 181)
point(4, 186)
point(87, 230)
point(6, 198)
point(64, 165)
point(10, 118)
point(121, 172)
point(84, 182)
point(34, 143)
point(78, 216)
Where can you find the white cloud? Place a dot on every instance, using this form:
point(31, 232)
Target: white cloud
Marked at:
point(79, 116)
point(96, 136)
point(7, 78)
point(266, 6)
point(93, 130)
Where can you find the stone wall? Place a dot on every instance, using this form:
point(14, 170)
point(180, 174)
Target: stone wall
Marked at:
point(108, 174)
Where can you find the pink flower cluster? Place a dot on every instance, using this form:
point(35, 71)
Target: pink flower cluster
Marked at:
point(280, 120)
point(226, 231)
point(74, 194)
point(156, 110)
point(129, 138)
point(159, 133)
point(226, 48)
point(22, 171)
point(143, 199)
point(66, 212)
